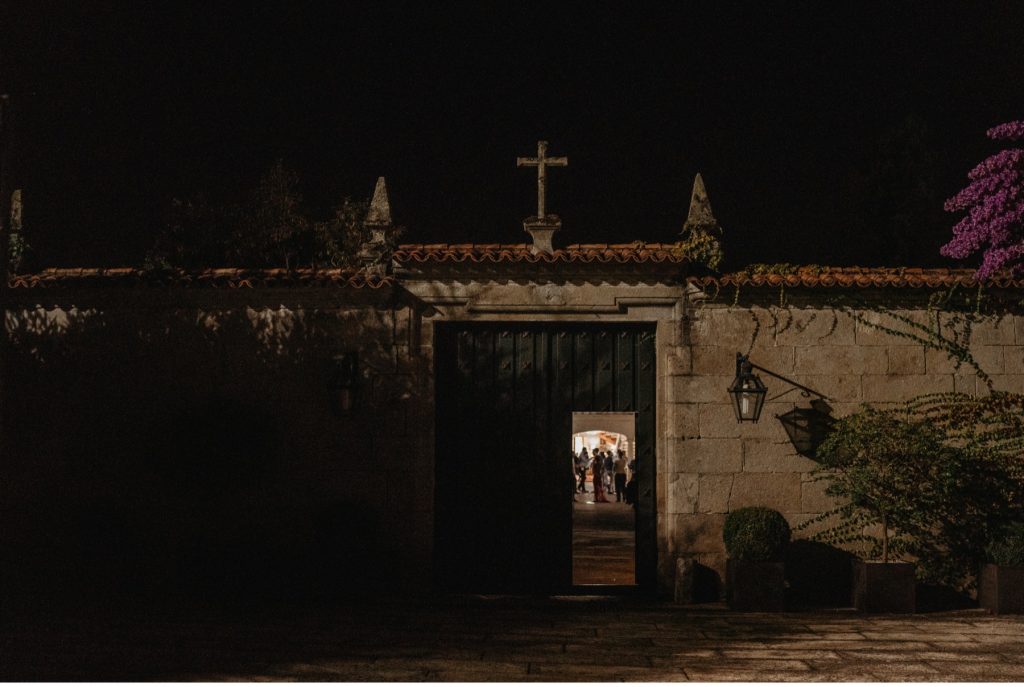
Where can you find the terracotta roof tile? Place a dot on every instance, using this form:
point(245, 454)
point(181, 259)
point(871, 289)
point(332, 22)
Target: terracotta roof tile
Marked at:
point(232, 278)
point(520, 252)
point(235, 278)
point(863, 277)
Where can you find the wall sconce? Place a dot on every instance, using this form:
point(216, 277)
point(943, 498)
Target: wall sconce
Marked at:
point(343, 382)
point(808, 427)
point(748, 391)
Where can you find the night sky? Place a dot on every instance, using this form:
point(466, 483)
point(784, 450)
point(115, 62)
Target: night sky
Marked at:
point(825, 134)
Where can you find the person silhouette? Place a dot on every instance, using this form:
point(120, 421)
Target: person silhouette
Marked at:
point(598, 468)
point(619, 470)
point(583, 462)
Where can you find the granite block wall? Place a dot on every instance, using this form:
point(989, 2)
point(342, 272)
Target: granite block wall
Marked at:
point(711, 465)
point(112, 412)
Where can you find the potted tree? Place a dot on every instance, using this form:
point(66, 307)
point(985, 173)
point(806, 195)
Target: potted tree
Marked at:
point(879, 462)
point(929, 482)
point(755, 541)
point(1001, 583)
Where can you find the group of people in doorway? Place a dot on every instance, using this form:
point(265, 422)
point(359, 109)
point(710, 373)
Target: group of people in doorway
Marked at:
point(608, 472)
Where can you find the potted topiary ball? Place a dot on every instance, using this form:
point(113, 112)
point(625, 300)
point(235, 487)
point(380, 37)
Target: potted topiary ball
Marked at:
point(1001, 585)
point(755, 541)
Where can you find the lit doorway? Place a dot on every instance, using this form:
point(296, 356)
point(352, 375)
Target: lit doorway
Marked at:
point(505, 397)
point(604, 512)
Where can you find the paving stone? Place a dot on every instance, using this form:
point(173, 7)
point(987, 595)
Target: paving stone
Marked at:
point(914, 636)
point(604, 656)
point(492, 649)
point(850, 645)
point(425, 664)
point(903, 667)
point(849, 674)
point(601, 673)
point(940, 645)
point(762, 635)
point(644, 649)
point(470, 675)
point(710, 644)
point(983, 671)
point(773, 664)
point(957, 656)
point(728, 675)
point(995, 639)
point(795, 654)
point(835, 635)
point(992, 634)
point(638, 642)
point(828, 627)
point(517, 639)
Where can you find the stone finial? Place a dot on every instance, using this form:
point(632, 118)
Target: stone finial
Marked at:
point(379, 214)
point(700, 215)
point(374, 253)
point(15, 248)
point(16, 211)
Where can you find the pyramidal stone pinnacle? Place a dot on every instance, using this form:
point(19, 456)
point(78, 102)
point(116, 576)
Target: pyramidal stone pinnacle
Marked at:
point(700, 215)
point(379, 213)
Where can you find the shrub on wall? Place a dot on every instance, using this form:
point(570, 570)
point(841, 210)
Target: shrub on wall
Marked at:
point(755, 534)
point(1008, 547)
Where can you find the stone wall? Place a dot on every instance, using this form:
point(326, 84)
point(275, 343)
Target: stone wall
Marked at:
point(201, 449)
point(117, 417)
point(712, 465)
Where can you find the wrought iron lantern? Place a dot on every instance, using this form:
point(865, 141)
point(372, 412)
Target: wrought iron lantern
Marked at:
point(747, 390)
point(808, 427)
point(343, 382)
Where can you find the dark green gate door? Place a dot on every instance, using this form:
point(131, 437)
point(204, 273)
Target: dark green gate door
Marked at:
point(504, 484)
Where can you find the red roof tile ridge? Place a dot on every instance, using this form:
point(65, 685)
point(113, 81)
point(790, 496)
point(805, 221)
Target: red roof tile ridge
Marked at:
point(521, 252)
point(234, 277)
point(814, 275)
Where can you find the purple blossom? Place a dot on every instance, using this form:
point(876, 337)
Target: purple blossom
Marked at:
point(1004, 159)
point(994, 201)
point(984, 187)
point(1011, 131)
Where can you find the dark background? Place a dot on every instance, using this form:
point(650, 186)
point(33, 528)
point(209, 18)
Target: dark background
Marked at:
point(825, 134)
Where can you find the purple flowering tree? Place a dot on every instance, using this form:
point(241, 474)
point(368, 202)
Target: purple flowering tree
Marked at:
point(994, 202)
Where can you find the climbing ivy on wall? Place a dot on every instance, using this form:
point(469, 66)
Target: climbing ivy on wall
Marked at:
point(952, 312)
point(700, 246)
point(964, 454)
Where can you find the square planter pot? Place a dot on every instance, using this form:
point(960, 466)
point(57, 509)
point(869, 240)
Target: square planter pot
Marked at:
point(1001, 589)
point(755, 585)
point(884, 587)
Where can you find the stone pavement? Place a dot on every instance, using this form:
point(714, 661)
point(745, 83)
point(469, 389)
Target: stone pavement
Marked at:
point(593, 639)
point(603, 542)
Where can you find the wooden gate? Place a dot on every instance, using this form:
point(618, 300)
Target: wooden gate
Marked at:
point(504, 483)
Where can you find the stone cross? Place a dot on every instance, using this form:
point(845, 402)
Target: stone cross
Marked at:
point(541, 162)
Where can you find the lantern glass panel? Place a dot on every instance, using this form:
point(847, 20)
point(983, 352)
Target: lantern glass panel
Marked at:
point(748, 393)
